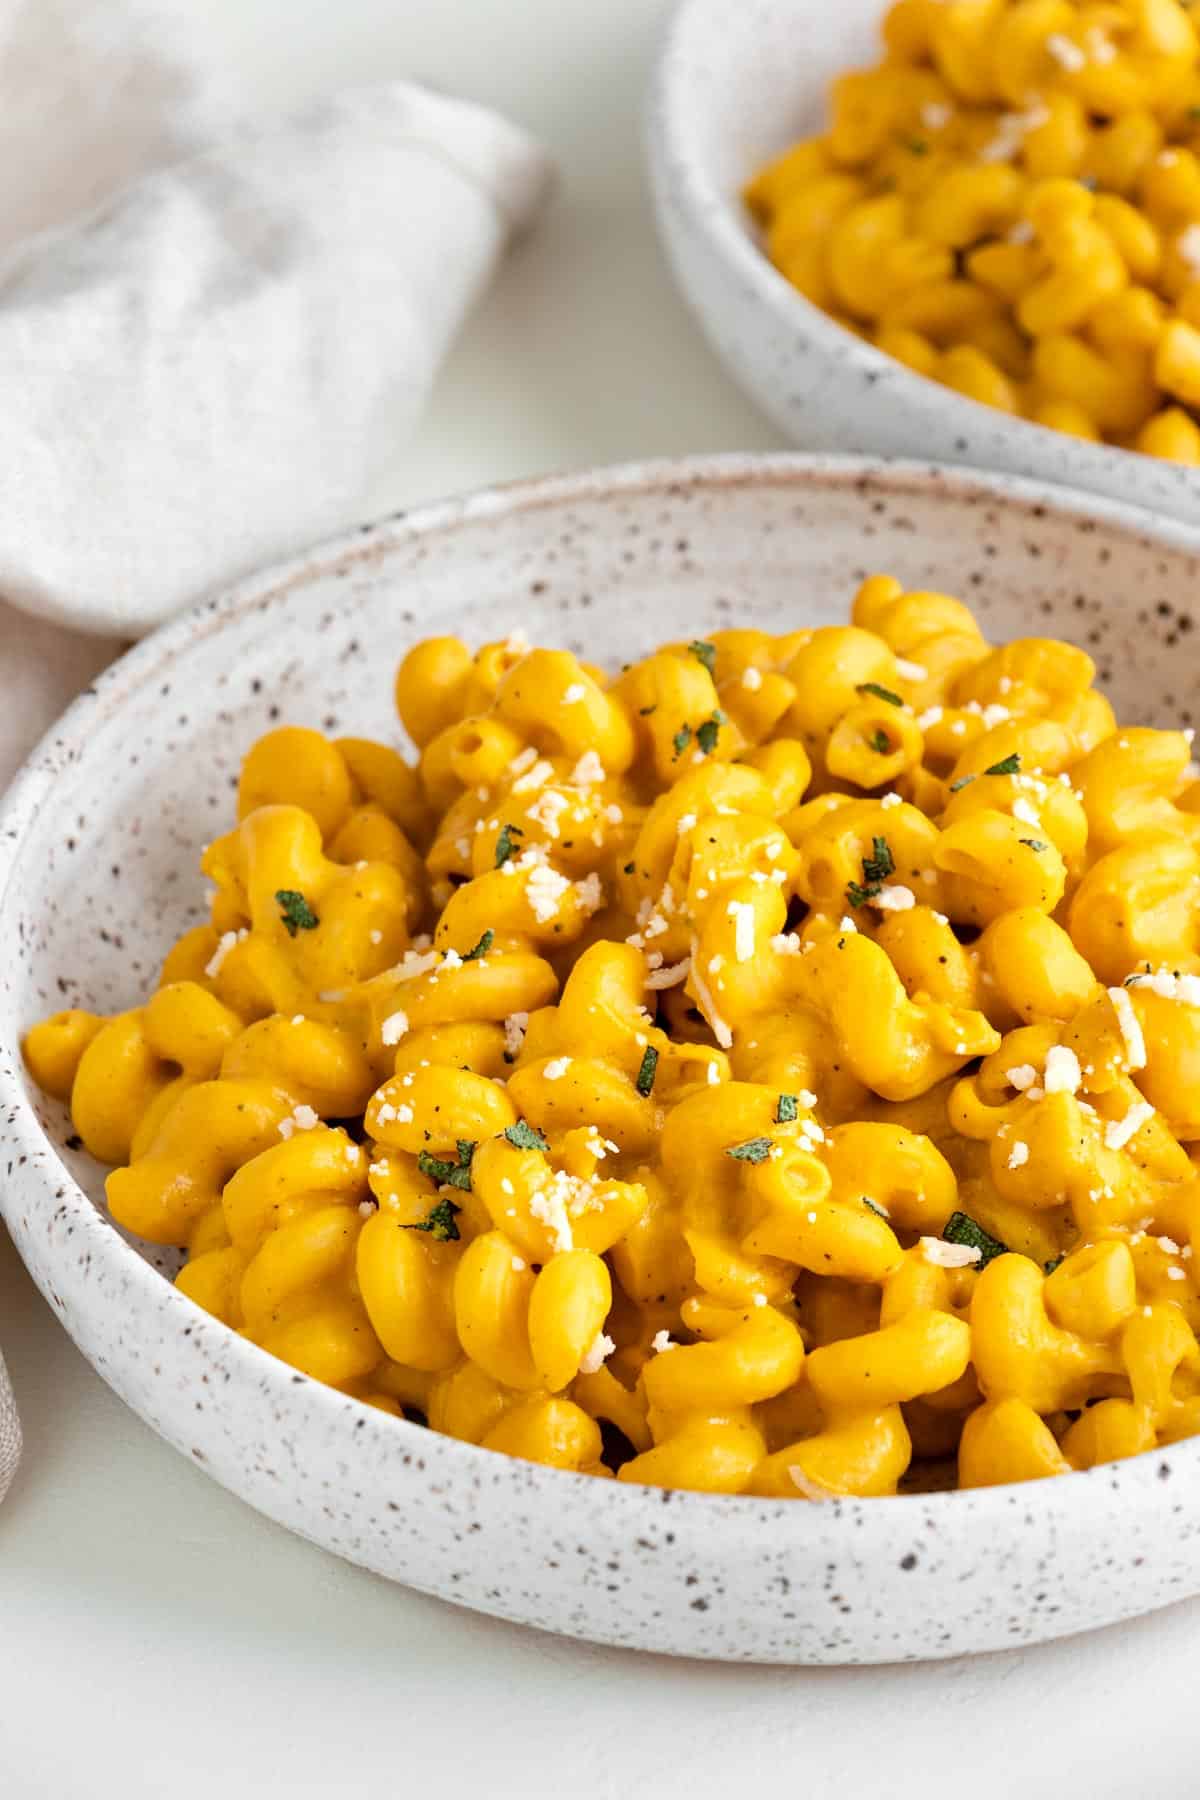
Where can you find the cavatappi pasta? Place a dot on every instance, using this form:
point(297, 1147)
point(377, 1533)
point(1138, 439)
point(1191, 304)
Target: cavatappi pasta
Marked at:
point(1009, 203)
point(773, 1070)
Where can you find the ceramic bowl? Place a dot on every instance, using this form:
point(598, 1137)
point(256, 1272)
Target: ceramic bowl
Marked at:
point(734, 85)
point(98, 849)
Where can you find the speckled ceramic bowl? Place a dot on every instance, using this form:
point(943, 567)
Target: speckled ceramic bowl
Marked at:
point(98, 850)
point(735, 84)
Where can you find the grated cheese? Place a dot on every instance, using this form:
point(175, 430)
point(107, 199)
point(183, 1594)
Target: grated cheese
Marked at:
point(812, 1490)
point(1131, 1030)
point(1169, 985)
point(544, 890)
point(742, 914)
point(670, 976)
point(894, 899)
point(1018, 1156)
point(394, 1027)
point(225, 944)
point(1118, 1132)
point(514, 1032)
point(574, 694)
point(590, 893)
point(661, 1342)
point(588, 770)
point(717, 1025)
point(1066, 54)
point(949, 1256)
point(557, 1068)
point(1063, 1074)
point(594, 1357)
point(534, 778)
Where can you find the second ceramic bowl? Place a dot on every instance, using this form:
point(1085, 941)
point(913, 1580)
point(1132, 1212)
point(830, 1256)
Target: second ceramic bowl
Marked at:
point(733, 87)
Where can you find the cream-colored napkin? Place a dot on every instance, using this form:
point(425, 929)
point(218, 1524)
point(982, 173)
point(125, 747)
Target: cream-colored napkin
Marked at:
point(216, 330)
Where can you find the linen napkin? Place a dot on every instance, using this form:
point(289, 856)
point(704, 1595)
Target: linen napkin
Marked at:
point(216, 329)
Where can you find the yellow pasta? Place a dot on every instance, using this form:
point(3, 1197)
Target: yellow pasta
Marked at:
point(771, 1071)
point(1009, 203)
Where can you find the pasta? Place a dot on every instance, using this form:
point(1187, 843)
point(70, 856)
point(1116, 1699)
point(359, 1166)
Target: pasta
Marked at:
point(771, 1070)
point(1009, 203)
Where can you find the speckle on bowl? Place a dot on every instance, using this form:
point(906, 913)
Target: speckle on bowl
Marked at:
point(734, 86)
point(98, 846)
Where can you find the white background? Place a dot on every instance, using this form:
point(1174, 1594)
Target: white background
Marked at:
point(156, 1636)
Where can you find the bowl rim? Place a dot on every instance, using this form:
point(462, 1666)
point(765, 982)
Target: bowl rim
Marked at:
point(65, 744)
point(712, 213)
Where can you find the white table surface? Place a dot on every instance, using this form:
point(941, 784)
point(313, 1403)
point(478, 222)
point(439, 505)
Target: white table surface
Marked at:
point(159, 1638)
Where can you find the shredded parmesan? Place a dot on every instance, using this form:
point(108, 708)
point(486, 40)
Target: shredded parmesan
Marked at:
point(670, 976)
point(1131, 1030)
point(1063, 1074)
point(717, 1025)
point(742, 914)
point(1018, 1156)
point(514, 1032)
point(949, 1256)
point(594, 1357)
point(1169, 985)
point(394, 1027)
point(225, 944)
point(303, 1118)
point(544, 890)
point(661, 1341)
point(1066, 54)
point(557, 1068)
point(588, 770)
point(894, 899)
point(812, 1490)
point(1118, 1132)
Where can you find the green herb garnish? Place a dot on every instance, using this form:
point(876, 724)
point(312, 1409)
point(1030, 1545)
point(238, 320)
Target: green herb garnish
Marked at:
point(788, 1110)
point(1048, 1268)
point(704, 653)
point(648, 1070)
point(1008, 765)
point(481, 948)
point(962, 782)
point(296, 913)
point(522, 1136)
point(706, 734)
point(450, 1174)
point(682, 739)
point(871, 1206)
point(879, 743)
point(880, 864)
point(880, 693)
point(505, 848)
point(918, 146)
point(960, 1228)
point(645, 711)
point(1035, 843)
point(876, 869)
point(754, 1150)
point(439, 1222)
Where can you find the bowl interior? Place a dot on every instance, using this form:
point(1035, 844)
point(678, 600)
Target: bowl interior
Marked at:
point(758, 79)
point(103, 873)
